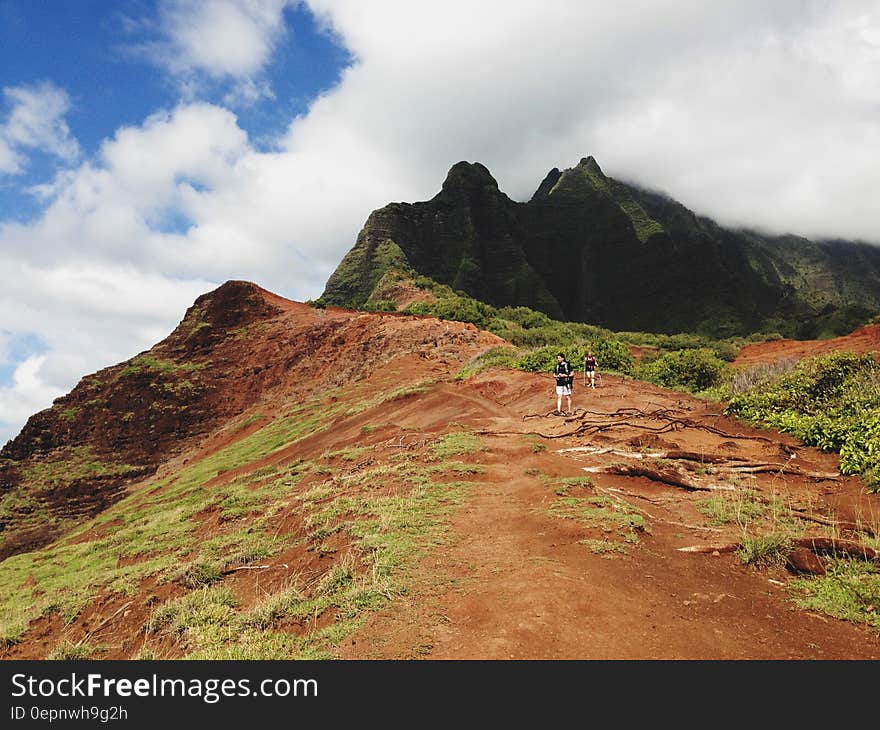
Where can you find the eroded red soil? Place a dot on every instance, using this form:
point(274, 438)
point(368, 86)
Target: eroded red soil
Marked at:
point(513, 580)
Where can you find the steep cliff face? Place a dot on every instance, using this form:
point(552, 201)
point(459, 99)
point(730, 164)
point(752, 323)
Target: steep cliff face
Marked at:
point(469, 236)
point(590, 248)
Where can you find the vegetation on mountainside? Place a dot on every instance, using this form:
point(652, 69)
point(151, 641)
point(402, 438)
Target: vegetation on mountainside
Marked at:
point(830, 401)
point(561, 253)
point(644, 225)
point(685, 361)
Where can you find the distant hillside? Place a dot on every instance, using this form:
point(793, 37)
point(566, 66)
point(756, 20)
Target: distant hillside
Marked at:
point(589, 248)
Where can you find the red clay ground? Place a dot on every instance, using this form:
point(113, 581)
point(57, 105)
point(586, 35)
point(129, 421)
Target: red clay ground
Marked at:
point(866, 339)
point(513, 580)
point(516, 583)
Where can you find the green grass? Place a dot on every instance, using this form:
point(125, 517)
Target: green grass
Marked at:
point(386, 533)
point(745, 507)
point(156, 526)
point(456, 444)
point(66, 650)
point(152, 533)
point(150, 363)
point(618, 523)
point(29, 505)
point(352, 453)
point(69, 464)
point(850, 590)
point(604, 546)
point(764, 550)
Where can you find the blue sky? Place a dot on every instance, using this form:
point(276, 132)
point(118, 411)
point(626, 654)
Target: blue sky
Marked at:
point(93, 49)
point(152, 149)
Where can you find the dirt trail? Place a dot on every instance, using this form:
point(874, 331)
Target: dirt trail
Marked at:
point(515, 581)
point(533, 566)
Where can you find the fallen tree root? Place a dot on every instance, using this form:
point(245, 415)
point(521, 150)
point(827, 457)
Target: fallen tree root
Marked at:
point(839, 524)
point(640, 496)
point(725, 548)
point(664, 476)
point(228, 571)
point(715, 464)
point(103, 623)
point(654, 519)
point(833, 546)
point(779, 469)
point(671, 423)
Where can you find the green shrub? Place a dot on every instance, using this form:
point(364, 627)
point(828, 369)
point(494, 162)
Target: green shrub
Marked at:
point(381, 305)
point(831, 401)
point(726, 350)
point(612, 355)
point(457, 308)
point(692, 370)
point(540, 360)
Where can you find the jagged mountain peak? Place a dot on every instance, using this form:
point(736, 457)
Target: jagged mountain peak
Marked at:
point(469, 178)
point(590, 248)
point(589, 163)
point(585, 176)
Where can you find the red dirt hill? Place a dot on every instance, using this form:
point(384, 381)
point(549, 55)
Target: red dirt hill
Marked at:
point(866, 339)
point(236, 347)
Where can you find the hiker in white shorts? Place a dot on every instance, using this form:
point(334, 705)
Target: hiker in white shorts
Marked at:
point(564, 380)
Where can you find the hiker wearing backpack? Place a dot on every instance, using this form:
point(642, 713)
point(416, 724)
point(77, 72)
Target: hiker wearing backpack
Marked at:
point(564, 380)
point(590, 365)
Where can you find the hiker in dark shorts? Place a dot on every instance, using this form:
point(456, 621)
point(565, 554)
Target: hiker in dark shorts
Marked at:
point(564, 380)
point(590, 365)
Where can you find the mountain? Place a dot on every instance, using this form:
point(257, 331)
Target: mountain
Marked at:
point(589, 248)
point(235, 350)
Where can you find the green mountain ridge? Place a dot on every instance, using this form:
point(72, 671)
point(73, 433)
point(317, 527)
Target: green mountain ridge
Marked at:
point(589, 248)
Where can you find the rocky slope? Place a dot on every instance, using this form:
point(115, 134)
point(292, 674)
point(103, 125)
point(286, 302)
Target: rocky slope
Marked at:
point(592, 249)
point(234, 348)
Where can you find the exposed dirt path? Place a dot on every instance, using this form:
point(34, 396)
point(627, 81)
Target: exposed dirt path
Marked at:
point(514, 581)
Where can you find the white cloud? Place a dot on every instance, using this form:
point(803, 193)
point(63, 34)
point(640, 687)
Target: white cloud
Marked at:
point(752, 112)
point(35, 121)
point(88, 317)
point(27, 394)
point(228, 40)
point(10, 161)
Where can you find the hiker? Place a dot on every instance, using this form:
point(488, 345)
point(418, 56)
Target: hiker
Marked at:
point(564, 380)
point(590, 365)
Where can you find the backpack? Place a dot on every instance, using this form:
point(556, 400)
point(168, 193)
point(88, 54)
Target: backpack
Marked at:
point(565, 374)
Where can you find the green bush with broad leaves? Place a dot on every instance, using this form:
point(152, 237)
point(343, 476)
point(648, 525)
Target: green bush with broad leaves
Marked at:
point(692, 370)
point(831, 402)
